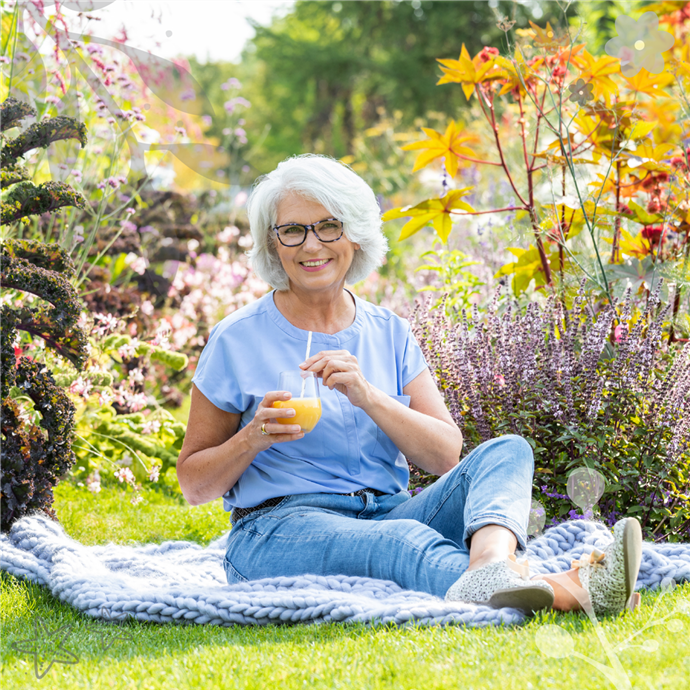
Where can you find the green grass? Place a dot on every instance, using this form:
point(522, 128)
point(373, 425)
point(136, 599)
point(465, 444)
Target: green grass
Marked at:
point(324, 656)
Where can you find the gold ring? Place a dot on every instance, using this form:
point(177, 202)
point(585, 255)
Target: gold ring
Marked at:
point(263, 430)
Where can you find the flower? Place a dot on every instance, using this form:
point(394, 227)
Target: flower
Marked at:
point(152, 427)
point(652, 232)
point(228, 233)
point(93, 482)
point(639, 44)
point(207, 120)
point(108, 323)
point(231, 83)
point(154, 473)
point(147, 307)
point(581, 92)
point(124, 474)
point(653, 206)
point(138, 264)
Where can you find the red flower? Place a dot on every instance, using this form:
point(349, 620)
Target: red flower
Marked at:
point(652, 232)
point(653, 206)
point(487, 54)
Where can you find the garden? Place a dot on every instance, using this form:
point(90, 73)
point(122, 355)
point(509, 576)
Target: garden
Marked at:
point(532, 165)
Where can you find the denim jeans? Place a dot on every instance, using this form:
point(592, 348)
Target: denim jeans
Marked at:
point(422, 543)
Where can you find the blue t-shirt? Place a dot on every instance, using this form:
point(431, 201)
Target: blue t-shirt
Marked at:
point(346, 450)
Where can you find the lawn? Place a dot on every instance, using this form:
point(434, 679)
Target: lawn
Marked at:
point(148, 655)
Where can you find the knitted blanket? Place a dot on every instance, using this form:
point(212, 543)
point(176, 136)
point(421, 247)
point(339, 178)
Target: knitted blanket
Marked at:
point(182, 582)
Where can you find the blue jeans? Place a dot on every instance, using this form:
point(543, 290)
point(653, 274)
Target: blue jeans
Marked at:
point(421, 543)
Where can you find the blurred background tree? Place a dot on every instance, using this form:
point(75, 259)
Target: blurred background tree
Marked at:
point(327, 70)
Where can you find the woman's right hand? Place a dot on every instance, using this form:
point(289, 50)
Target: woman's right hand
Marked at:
point(266, 415)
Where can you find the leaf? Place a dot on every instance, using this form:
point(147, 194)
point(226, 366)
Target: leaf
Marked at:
point(447, 145)
point(650, 84)
point(434, 212)
point(641, 215)
point(468, 73)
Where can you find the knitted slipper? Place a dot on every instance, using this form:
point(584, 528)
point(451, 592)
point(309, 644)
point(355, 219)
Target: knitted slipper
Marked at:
point(500, 584)
point(609, 576)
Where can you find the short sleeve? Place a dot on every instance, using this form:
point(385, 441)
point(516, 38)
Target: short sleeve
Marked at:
point(413, 362)
point(215, 373)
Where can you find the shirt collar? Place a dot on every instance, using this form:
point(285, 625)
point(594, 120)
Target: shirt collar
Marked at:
point(342, 336)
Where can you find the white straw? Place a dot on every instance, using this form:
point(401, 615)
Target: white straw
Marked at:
point(304, 380)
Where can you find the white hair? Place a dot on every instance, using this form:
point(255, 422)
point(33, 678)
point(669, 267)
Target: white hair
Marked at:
point(337, 188)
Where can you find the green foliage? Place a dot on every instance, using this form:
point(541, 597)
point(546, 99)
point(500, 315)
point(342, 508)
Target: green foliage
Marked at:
point(105, 438)
point(456, 284)
point(320, 74)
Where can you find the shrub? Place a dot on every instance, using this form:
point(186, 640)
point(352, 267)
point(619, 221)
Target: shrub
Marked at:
point(35, 455)
point(582, 391)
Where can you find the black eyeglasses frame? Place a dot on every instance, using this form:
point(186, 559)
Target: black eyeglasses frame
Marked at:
point(307, 228)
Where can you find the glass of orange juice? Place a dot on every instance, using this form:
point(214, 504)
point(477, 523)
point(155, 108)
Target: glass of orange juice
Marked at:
point(305, 401)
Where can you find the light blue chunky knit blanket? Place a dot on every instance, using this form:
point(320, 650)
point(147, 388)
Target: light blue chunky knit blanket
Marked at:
point(182, 582)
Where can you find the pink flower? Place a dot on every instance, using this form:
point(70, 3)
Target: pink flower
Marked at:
point(124, 474)
point(93, 482)
point(228, 233)
point(154, 473)
point(108, 323)
point(152, 427)
point(147, 307)
point(618, 333)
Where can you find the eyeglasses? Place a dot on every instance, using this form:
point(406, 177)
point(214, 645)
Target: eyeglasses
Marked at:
point(294, 234)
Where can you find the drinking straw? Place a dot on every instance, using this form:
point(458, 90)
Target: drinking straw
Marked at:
point(304, 380)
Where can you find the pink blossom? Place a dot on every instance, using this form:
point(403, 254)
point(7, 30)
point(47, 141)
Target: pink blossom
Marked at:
point(231, 83)
point(52, 99)
point(154, 473)
point(76, 174)
point(108, 323)
point(136, 499)
point(93, 482)
point(618, 333)
point(81, 387)
point(138, 264)
point(124, 474)
point(152, 427)
point(228, 233)
point(207, 120)
point(147, 307)
point(188, 94)
point(127, 225)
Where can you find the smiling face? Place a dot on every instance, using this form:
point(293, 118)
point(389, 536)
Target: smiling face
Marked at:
point(314, 265)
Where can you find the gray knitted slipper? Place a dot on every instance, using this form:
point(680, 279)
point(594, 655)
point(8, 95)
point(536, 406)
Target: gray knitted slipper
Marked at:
point(500, 584)
point(609, 576)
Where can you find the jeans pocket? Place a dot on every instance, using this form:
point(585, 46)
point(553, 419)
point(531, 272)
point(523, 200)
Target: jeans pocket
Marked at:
point(231, 574)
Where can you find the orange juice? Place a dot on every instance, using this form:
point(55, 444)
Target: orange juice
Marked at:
point(307, 412)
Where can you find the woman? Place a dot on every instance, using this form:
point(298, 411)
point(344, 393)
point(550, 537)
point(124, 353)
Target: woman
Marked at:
point(335, 501)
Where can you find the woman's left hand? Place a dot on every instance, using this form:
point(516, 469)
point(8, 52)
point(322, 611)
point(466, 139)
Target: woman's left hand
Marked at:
point(340, 370)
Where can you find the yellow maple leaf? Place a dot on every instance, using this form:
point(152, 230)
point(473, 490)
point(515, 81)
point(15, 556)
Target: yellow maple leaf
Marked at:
point(468, 72)
point(448, 145)
point(434, 212)
point(547, 38)
point(598, 71)
point(631, 245)
point(651, 84)
point(517, 72)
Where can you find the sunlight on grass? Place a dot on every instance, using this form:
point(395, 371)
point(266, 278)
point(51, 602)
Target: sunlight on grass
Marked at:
point(148, 655)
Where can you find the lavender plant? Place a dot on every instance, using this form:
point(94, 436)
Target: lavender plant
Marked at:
point(602, 390)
